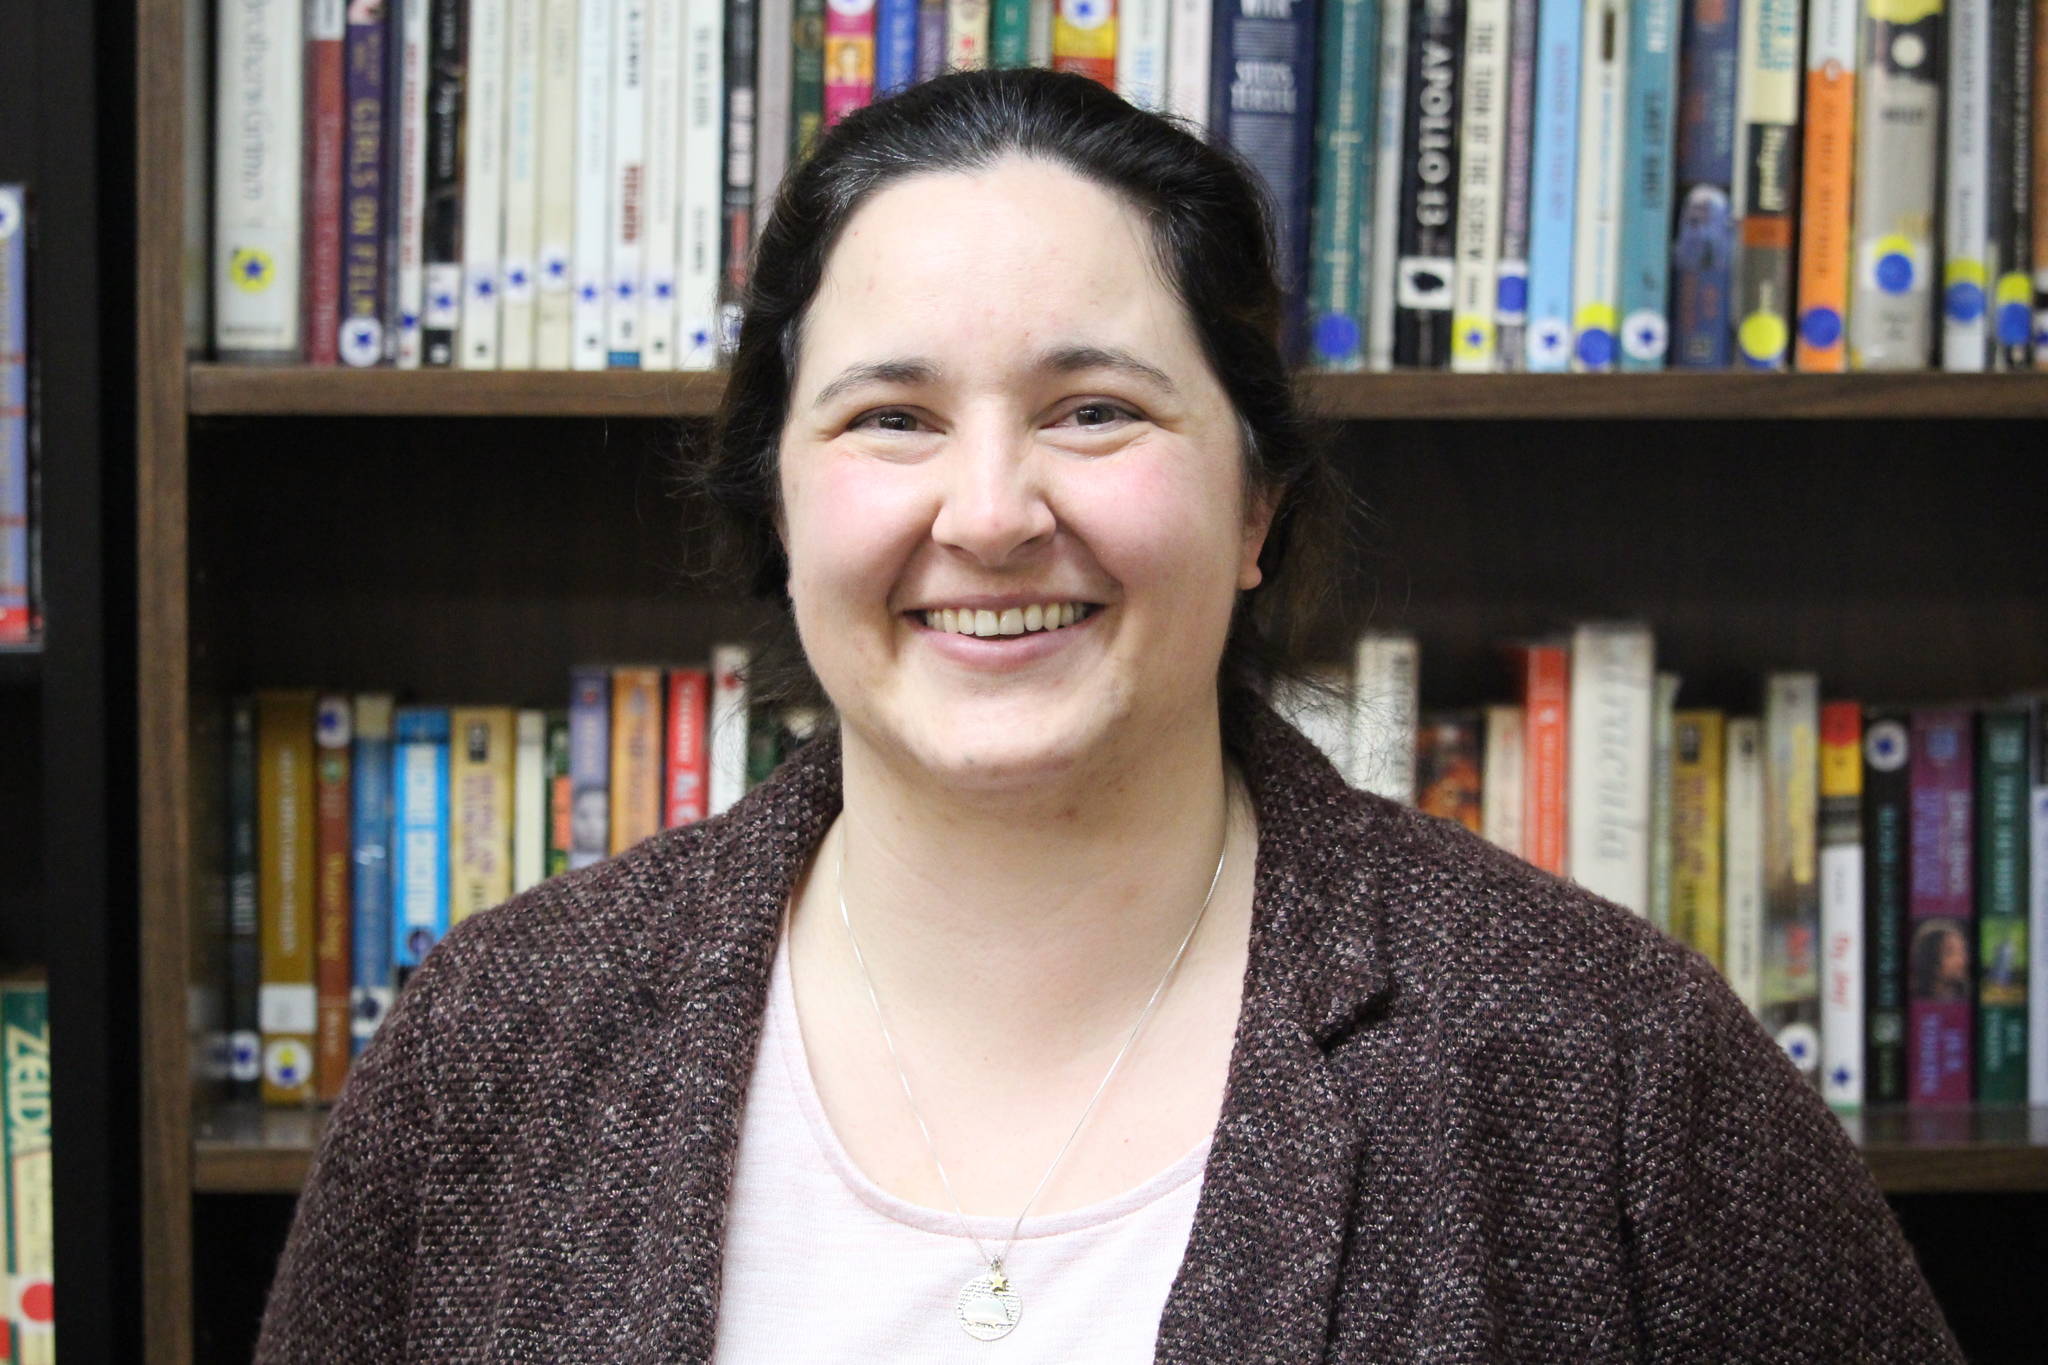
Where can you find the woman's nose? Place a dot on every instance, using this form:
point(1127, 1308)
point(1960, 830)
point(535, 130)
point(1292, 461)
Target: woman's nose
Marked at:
point(993, 504)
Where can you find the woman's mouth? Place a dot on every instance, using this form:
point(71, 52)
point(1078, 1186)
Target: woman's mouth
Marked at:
point(983, 622)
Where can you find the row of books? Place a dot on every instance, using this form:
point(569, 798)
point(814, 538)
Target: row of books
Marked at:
point(360, 830)
point(1477, 185)
point(1865, 876)
point(27, 1217)
point(20, 609)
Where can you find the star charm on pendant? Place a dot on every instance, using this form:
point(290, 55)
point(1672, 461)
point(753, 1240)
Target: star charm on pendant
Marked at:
point(998, 1281)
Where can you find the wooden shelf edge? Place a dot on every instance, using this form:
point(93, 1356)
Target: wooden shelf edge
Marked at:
point(257, 391)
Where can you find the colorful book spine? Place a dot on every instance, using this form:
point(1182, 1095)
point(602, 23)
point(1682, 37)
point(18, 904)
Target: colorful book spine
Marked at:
point(2001, 884)
point(1084, 38)
point(1345, 88)
point(590, 752)
point(1613, 683)
point(1766, 181)
point(419, 835)
point(2009, 265)
point(967, 32)
point(626, 196)
point(1791, 940)
point(1482, 124)
point(371, 970)
point(410, 49)
point(288, 999)
point(1703, 241)
point(728, 733)
point(1698, 770)
point(326, 132)
point(27, 1172)
point(366, 198)
point(1650, 121)
point(1385, 699)
point(520, 294)
point(931, 38)
point(479, 809)
point(554, 320)
point(849, 58)
point(1518, 145)
point(686, 765)
point(1941, 907)
point(591, 249)
point(529, 800)
point(1009, 33)
point(1825, 175)
point(483, 184)
point(1141, 37)
point(807, 75)
point(717, 193)
point(1383, 259)
point(245, 923)
point(16, 585)
point(1190, 37)
point(1447, 783)
point(1966, 176)
point(1425, 272)
point(441, 214)
point(636, 756)
point(1545, 678)
point(561, 795)
point(1898, 160)
point(1663, 712)
point(1742, 861)
point(2037, 889)
point(1841, 904)
point(661, 195)
point(258, 194)
point(1887, 837)
point(1553, 189)
point(1596, 235)
point(333, 852)
point(1501, 795)
point(895, 46)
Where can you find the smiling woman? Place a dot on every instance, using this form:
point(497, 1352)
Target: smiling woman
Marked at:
point(1060, 992)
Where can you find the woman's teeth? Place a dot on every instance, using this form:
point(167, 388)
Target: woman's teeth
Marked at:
point(1011, 621)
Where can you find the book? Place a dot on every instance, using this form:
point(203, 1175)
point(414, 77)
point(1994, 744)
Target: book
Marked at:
point(479, 809)
point(728, 725)
point(1742, 860)
point(636, 734)
point(27, 1175)
point(1141, 37)
point(1698, 772)
point(686, 763)
point(1084, 36)
point(1966, 178)
point(441, 213)
point(1424, 274)
point(1791, 937)
point(2000, 876)
point(1941, 910)
point(967, 31)
point(849, 70)
point(2037, 190)
point(1518, 136)
point(561, 794)
point(1385, 697)
point(590, 254)
point(410, 44)
point(519, 297)
point(1649, 140)
point(661, 193)
point(258, 216)
point(17, 586)
point(287, 999)
point(370, 826)
point(1663, 709)
point(1553, 187)
point(1887, 823)
point(1345, 90)
point(245, 932)
point(590, 754)
point(1703, 240)
point(774, 115)
point(1766, 181)
point(2008, 263)
point(529, 799)
point(708, 180)
point(1596, 235)
point(1826, 168)
point(1613, 683)
point(1190, 32)
point(483, 184)
point(325, 132)
point(1009, 35)
point(333, 913)
point(1501, 792)
point(1483, 116)
point(1383, 246)
point(419, 835)
point(554, 316)
point(807, 73)
point(1543, 680)
point(1447, 781)
point(366, 198)
point(2037, 888)
point(625, 195)
point(1898, 155)
point(895, 46)
point(1841, 904)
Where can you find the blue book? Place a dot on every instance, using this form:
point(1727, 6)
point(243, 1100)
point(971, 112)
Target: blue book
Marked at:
point(419, 836)
point(895, 45)
point(371, 795)
point(1648, 119)
point(590, 751)
point(1703, 247)
point(1553, 187)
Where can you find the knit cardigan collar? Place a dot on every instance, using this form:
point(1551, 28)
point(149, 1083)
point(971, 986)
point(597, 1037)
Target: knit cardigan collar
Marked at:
point(1285, 1156)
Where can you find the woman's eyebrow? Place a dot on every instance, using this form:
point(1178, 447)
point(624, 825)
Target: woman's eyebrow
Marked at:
point(912, 370)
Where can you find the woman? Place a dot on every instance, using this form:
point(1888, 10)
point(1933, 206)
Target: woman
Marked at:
point(1063, 996)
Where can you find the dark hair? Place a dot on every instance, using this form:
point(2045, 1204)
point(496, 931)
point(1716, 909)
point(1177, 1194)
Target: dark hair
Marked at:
point(1211, 231)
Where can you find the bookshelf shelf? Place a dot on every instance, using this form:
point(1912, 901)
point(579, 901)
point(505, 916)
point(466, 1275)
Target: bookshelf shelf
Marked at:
point(256, 391)
point(20, 667)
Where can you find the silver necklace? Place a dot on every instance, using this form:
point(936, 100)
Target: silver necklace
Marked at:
point(988, 1306)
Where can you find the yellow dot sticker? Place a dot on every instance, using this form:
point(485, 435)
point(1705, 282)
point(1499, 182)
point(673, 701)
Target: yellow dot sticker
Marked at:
point(2013, 289)
point(1965, 271)
point(1762, 336)
point(1471, 336)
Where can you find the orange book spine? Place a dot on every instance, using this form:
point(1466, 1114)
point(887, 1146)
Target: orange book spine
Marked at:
point(636, 756)
point(286, 999)
point(332, 864)
point(1825, 186)
point(1546, 698)
point(1084, 39)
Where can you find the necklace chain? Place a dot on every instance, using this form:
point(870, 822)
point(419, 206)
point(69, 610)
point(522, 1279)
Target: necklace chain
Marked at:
point(995, 1263)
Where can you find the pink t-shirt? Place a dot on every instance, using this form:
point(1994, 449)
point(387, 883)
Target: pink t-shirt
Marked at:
point(822, 1264)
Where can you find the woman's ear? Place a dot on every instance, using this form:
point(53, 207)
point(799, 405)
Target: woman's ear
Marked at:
point(1258, 521)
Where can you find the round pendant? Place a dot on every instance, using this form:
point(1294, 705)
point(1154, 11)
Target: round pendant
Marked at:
point(988, 1309)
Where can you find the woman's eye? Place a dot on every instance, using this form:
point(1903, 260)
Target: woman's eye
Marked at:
point(1101, 414)
point(887, 419)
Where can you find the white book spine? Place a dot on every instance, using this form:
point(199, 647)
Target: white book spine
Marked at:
point(967, 35)
point(1742, 861)
point(1607, 799)
point(522, 185)
point(1501, 779)
point(1141, 39)
point(1841, 1000)
point(774, 78)
point(626, 193)
point(666, 157)
point(529, 801)
point(1385, 700)
point(1190, 29)
point(728, 726)
point(411, 274)
point(1596, 236)
point(1483, 120)
point(696, 335)
point(591, 284)
point(1966, 166)
point(483, 185)
point(1041, 35)
point(259, 110)
point(553, 318)
point(1386, 186)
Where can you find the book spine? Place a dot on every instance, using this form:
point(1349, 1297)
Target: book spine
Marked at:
point(1344, 94)
point(1546, 713)
point(1826, 172)
point(1553, 187)
point(1447, 751)
point(2037, 200)
point(16, 599)
point(1898, 166)
point(1966, 172)
point(1141, 52)
point(522, 185)
point(1698, 767)
point(626, 195)
point(686, 769)
point(1382, 262)
point(1424, 274)
point(1841, 904)
point(592, 282)
point(479, 809)
point(371, 975)
point(1791, 942)
point(895, 46)
point(1703, 241)
point(1502, 781)
point(728, 735)
point(1386, 696)
point(1651, 104)
point(561, 795)
point(807, 76)
point(245, 930)
point(332, 912)
point(1742, 861)
point(1887, 802)
point(636, 756)
point(1518, 146)
point(590, 752)
point(661, 195)
point(1084, 38)
point(2001, 885)
point(1596, 235)
point(554, 323)
point(29, 1221)
point(1766, 179)
point(1940, 909)
point(705, 181)
point(1263, 84)
point(2011, 268)
point(441, 214)
point(419, 838)
point(2037, 891)
point(931, 37)
point(258, 206)
point(1613, 682)
point(775, 96)
point(1044, 13)
point(409, 279)
point(721, 303)
point(325, 133)
point(849, 72)
point(1663, 708)
point(1482, 116)
point(366, 197)
point(529, 800)
point(967, 32)
point(483, 184)
point(1190, 33)
point(287, 1001)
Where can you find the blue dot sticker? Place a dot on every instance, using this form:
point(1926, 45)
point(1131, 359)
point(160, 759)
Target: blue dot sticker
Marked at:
point(1965, 301)
point(1596, 346)
point(1336, 335)
point(1513, 294)
point(2015, 322)
point(1895, 272)
point(1820, 327)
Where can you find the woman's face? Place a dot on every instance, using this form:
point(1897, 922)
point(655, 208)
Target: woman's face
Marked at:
point(999, 408)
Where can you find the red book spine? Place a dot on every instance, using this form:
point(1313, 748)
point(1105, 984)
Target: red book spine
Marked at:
point(1546, 697)
point(686, 757)
point(333, 871)
point(326, 119)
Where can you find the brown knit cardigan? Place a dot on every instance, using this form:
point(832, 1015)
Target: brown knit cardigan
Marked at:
point(1473, 1114)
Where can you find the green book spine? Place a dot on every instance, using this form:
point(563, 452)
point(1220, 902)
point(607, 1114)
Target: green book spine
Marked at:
point(2002, 837)
point(1010, 33)
point(807, 78)
point(1347, 100)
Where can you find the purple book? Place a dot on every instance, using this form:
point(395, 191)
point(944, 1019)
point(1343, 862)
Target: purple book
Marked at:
point(365, 288)
point(1940, 910)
